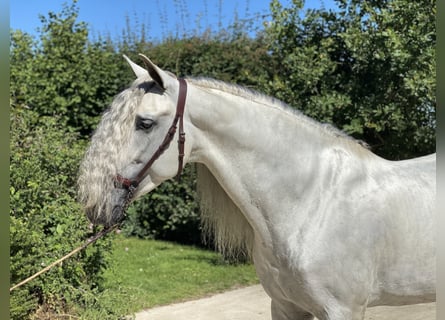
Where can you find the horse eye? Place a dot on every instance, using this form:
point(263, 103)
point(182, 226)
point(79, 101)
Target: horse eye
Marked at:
point(144, 123)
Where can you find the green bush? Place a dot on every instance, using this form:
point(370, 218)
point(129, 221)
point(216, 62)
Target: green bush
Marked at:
point(63, 73)
point(235, 59)
point(171, 212)
point(45, 220)
point(368, 68)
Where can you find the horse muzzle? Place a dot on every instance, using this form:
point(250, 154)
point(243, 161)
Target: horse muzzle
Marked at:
point(116, 210)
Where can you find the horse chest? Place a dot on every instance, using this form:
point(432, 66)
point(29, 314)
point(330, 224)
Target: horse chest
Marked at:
point(279, 278)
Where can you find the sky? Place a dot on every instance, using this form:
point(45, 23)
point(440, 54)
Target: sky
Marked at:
point(161, 18)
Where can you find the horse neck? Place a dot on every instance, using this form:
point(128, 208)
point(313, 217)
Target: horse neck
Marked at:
point(257, 151)
point(228, 121)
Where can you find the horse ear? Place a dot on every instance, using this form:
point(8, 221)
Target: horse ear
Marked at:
point(161, 77)
point(138, 70)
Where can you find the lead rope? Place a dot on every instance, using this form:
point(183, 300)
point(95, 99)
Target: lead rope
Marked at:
point(91, 240)
point(129, 197)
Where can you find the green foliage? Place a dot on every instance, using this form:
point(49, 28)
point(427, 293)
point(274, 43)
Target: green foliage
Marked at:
point(237, 60)
point(171, 212)
point(369, 68)
point(233, 57)
point(45, 220)
point(64, 74)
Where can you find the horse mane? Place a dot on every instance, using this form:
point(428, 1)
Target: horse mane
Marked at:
point(222, 221)
point(252, 95)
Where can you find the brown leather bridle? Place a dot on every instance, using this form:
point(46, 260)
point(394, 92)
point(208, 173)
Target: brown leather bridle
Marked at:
point(132, 184)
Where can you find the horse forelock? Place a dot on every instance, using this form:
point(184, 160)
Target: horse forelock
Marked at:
point(105, 154)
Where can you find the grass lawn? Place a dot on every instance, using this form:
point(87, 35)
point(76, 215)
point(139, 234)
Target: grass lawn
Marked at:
point(145, 273)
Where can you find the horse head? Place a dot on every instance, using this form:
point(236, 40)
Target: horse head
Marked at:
point(129, 154)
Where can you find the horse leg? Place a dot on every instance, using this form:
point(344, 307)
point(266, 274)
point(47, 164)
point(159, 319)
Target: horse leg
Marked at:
point(288, 311)
point(339, 312)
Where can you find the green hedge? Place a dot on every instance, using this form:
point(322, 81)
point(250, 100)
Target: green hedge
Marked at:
point(171, 212)
point(45, 220)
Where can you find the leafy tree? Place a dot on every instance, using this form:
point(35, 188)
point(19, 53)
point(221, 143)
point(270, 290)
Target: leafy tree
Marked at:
point(64, 74)
point(369, 68)
point(228, 57)
point(45, 220)
point(21, 63)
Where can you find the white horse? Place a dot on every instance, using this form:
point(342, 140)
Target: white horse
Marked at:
point(331, 227)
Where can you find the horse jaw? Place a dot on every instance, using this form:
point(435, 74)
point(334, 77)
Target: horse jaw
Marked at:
point(146, 186)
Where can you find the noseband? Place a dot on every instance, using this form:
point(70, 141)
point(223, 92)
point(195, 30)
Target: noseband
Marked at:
point(132, 184)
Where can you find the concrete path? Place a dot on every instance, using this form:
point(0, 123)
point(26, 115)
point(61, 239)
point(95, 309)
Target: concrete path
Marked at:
point(252, 303)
